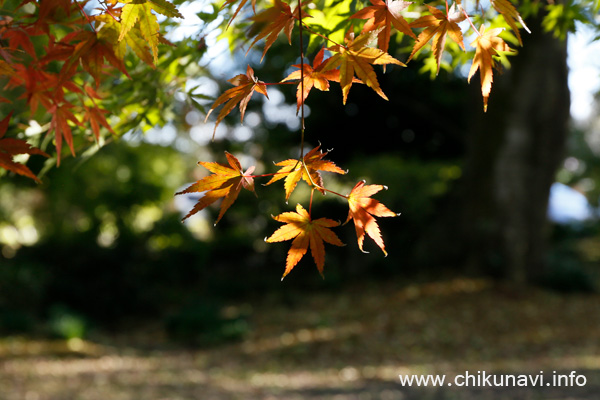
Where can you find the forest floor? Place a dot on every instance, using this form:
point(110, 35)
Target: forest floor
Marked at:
point(349, 344)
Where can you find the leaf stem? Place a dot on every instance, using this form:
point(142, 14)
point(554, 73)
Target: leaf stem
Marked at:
point(307, 27)
point(279, 83)
point(315, 186)
point(471, 22)
point(302, 127)
point(86, 16)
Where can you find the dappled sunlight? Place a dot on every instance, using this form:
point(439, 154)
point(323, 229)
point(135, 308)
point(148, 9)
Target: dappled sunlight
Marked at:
point(288, 339)
point(332, 344)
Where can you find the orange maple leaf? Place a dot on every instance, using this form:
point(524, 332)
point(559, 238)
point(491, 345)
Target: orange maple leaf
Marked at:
point(363, 210)
point(278, 18)
point(356, 58)
point(438, 26)
point(10, 147)
point(225, 181)
point(487, 45)
point(385, 14)
point(314, 77)
point(305, 232)
point(511, 16)
point(245, 85)
point(308, 169)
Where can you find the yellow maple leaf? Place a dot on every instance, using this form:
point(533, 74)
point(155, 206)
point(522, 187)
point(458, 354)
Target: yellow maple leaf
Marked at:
point(438, 26)
point(293, 170)
point(305, 233)
point(357, 58)
point(487, 44)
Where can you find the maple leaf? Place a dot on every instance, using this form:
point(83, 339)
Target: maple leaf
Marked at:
point(356, 58)
point(21, 37)
point(511, 16)
point(139, 12)
point(314, 77)
point(237, 10)
point(308, 169)
point(278, 18)
point(437, 27)
point(305, 232)
point(487, 44)
point(95, 116)
point(91, 50)
point(225, 181)
point(37, 84)
point(363, 210)
point(385, 15)
point(61, 114)
point(10, 147)
point(245, 85)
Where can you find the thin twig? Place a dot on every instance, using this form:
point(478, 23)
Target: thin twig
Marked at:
point(86, 16)
point(302, 127)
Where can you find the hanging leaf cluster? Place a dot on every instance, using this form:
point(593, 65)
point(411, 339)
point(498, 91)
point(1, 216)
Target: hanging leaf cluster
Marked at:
point(59, 79)
point(353, 61)
point(56, 55)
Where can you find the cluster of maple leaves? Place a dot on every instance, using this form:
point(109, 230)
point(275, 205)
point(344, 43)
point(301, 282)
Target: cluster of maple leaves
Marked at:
point(226, 181)
point(64, 76)
point(63, 79)
point(351, 62)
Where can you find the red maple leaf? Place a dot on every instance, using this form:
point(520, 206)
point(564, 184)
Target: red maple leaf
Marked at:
point(10, 147)
point(385, 15)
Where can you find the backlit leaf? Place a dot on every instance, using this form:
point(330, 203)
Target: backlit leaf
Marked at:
point(385, 14)
point(314, 77)
point(356, 58)
point(511, 16)
point(308, 169)
point(226, 181)
point(304, 233)
point(437, 27)
point(276, 19)
point(487, 45)
point(245, 85)
point(363, 210)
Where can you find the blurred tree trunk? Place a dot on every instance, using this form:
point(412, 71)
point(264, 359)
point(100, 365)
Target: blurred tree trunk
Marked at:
point(513, 154)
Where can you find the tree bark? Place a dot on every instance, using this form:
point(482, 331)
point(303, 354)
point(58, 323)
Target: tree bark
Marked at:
point(513, 153)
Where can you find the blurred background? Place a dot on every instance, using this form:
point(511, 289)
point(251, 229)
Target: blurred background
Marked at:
point(493, 264)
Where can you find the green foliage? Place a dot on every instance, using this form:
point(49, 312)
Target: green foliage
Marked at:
point(562, 18)
point(66, 324)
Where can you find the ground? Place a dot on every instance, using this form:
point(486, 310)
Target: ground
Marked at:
point(346, 344)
